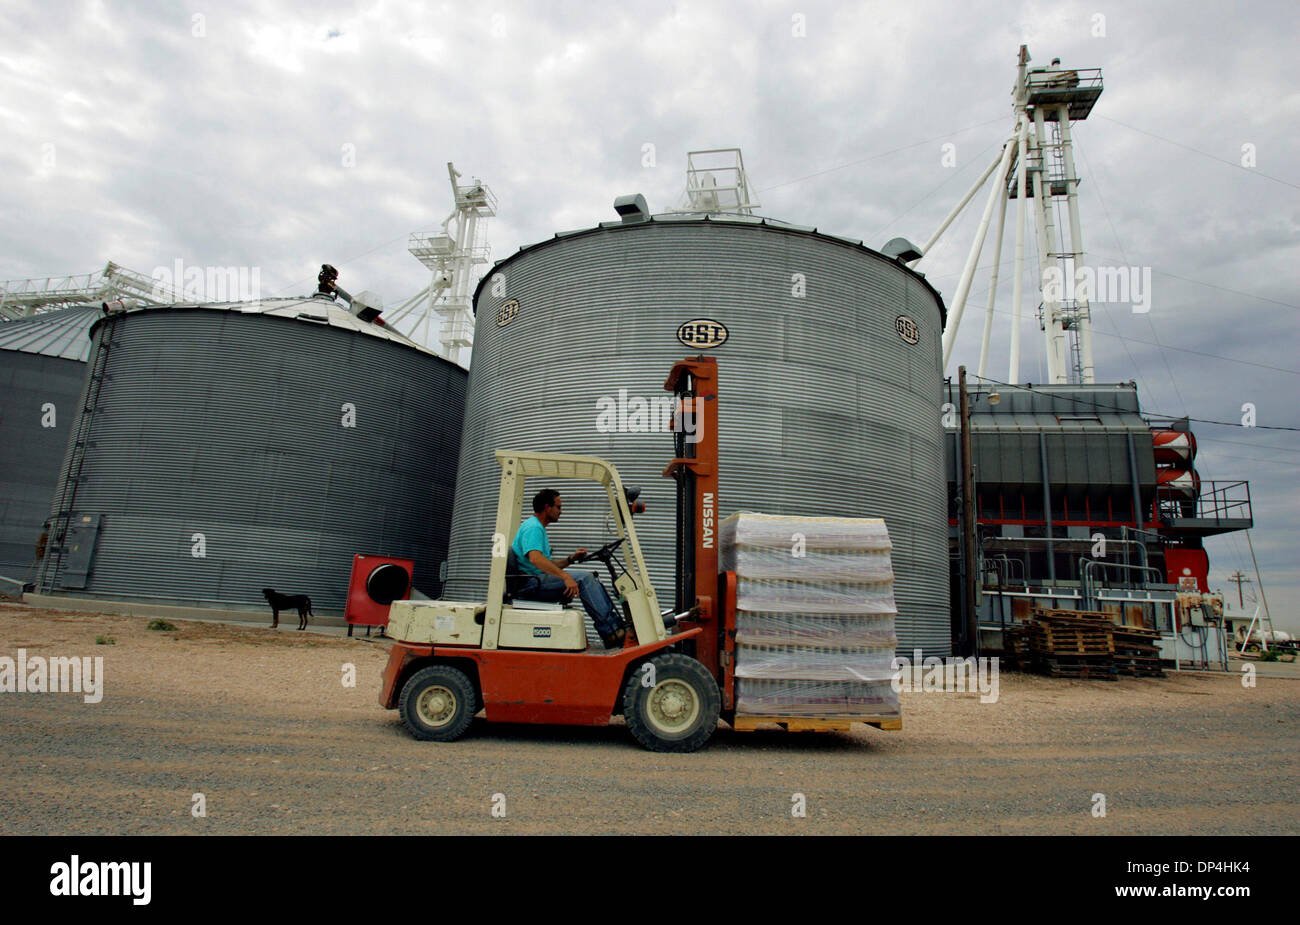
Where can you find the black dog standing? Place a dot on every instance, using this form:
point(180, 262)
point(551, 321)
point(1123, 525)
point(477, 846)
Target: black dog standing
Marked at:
point(278, 602)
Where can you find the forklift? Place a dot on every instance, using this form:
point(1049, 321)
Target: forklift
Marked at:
point(529, 662)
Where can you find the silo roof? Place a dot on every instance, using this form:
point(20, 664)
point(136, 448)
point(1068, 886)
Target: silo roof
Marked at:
point(302, 308)
point(710, 218)
point(1093, 408)
point(62, 333)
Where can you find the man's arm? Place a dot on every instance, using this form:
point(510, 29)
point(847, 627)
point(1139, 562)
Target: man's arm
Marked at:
point(535, 556)
point(552, 567)
point(549, 566)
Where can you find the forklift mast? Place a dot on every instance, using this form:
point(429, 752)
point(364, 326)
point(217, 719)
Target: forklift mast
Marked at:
point(694, 382)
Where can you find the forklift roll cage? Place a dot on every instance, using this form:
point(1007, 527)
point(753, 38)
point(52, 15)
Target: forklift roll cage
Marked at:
point(633, 586)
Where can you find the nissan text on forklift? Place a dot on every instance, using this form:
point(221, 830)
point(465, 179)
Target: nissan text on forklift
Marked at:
point(528, 662)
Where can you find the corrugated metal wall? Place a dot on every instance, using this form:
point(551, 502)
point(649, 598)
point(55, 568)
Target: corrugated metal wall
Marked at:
point(1087, 430)
point(229, 424)
point(825, 410)
point(30, 451)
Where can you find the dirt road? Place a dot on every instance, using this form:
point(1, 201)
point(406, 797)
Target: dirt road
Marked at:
point(260, 723)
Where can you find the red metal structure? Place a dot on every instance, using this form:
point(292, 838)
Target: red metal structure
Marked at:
point(376, 582)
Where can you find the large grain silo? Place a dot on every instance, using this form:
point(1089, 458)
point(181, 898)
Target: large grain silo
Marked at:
point(42, 368)
point(228, 448)
point(829, 386)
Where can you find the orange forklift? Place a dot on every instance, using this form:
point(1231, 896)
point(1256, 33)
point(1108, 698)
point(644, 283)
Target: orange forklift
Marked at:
point(529, 662)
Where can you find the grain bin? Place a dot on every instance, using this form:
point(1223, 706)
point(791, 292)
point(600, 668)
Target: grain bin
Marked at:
point(232, 447)
point(42, 368)
point(829, 371)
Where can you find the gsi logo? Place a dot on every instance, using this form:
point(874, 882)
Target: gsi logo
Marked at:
point(907, 329)
point(506, 313)
point(702, 332)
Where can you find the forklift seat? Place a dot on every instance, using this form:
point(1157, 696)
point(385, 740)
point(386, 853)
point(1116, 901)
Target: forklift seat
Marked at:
point(515, 576)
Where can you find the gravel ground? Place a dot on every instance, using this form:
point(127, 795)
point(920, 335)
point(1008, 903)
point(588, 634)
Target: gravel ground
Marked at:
point(259, 722)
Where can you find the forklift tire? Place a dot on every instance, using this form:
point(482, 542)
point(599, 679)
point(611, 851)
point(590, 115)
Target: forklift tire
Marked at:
point(678, 712)
point(438, 703)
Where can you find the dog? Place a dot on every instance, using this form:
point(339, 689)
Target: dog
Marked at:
point(278, 602)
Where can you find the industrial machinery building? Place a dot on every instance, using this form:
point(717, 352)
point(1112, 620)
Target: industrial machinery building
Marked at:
point(1055, 470)
point(227, 448)
point(828, 356)
point(1068, 497)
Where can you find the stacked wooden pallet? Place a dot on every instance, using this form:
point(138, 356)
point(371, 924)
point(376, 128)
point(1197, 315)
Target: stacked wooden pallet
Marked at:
point(814, 616)
point(1082, 644)
point(1136, 651)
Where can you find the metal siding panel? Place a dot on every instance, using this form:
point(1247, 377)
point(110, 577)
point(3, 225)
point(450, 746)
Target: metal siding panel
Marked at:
point(30, 453)
point(825, 410)
point(230, 425)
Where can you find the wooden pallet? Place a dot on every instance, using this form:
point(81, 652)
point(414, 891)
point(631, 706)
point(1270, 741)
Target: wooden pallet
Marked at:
point(1072, 616)
point(748, 722)
point(1093, 671)
point(1136, 651)
point(1074, 642)
point(1141, 666)
point(1082, 644)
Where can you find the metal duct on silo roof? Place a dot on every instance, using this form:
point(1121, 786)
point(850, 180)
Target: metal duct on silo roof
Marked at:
point(829, 387)
point(234, 447)
point(42, 367)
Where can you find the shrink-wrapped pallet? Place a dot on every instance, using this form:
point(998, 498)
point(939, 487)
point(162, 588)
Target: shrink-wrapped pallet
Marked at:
point(815, 614)
point(816, 698)
point(764, 628)
point(814, 663)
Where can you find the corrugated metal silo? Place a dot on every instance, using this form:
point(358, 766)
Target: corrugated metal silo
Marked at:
point(42, 367)
point(830, 387)
point(233, 447)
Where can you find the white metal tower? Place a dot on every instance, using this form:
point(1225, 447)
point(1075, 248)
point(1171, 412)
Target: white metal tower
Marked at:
point(716, 181)
point(451, 254)
point(21, 298)
point(1036, 168)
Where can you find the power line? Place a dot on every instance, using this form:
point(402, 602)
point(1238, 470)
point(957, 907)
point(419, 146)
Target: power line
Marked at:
point(873, 157)
point(1173, 417)
point(1256, 446)
point(1186, 279)
point(1120, 244)
point(1111, 409)
point(1276, 462)
point(1214, 157)
point(952, 176)
point(1201, 353)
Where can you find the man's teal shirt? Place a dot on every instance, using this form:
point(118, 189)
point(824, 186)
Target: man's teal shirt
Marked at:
point(531, 535)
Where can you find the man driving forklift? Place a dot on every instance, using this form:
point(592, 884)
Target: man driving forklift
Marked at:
point(545, 578)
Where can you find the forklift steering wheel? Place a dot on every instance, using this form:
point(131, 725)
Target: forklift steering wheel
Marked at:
point(605, 551)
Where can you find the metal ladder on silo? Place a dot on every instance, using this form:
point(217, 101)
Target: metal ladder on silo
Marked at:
point(66, 498)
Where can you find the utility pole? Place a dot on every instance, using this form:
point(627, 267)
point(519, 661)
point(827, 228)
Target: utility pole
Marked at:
point(1259, 583)
point(1239, 578)
point(968, 521)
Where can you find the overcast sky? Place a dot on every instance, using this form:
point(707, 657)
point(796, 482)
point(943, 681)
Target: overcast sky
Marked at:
point(281, 135)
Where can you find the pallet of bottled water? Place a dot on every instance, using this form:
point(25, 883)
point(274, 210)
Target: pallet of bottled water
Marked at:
point(815, 612)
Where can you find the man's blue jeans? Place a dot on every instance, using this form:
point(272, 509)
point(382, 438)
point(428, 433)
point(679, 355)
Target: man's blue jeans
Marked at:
point(550, 589)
